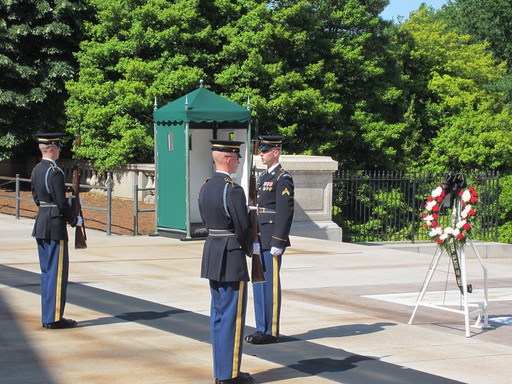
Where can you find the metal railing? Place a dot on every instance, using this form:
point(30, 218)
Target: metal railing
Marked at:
point(18, 180)
point(108, 209)
point(388, 206)
point(136, 209)
point(369, 206)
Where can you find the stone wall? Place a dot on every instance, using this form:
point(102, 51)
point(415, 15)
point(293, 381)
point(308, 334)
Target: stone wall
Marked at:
point(312, 177)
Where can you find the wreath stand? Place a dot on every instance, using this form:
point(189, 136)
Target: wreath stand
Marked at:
point(481, 310)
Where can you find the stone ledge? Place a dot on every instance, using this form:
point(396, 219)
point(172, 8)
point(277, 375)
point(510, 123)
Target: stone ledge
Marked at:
point(303, 163)
point(487, 250)
point(323, 230)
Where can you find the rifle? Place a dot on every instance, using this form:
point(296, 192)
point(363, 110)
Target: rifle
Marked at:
point(80, 236)
point(257, 273)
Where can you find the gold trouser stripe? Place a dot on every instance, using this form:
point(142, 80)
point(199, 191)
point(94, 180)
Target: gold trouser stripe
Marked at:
point(238, 330)
point(58, 288)
point(275, 278)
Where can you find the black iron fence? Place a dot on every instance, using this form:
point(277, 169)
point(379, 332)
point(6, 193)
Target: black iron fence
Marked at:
point(388, 206)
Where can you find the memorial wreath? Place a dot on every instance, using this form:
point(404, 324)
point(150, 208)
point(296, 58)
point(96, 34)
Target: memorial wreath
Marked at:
point(457, 229)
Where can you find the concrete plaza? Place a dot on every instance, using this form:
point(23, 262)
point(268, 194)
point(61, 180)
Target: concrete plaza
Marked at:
point(143, 316)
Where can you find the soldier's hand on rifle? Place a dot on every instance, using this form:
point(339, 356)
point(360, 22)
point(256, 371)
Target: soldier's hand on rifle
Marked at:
point(80, 221)
point(70, 200)
point(251, 208)
point(274, 251)
point(256, 248)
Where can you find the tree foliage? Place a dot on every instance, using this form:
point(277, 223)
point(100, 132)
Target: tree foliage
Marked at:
point(483, 20)
point(460, 122)
point(331, 76)
point(37, 40)
point(304, 65)
point(133, 52)
point(433, 92)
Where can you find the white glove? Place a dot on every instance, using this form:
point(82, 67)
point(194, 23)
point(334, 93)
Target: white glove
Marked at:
point(80, 221)
point(251, 208)
point(70, 200)
point(256, 248)
point(276, 251)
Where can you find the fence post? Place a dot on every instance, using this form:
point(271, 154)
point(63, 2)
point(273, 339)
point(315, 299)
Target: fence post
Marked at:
point(496, 234)
point(135, 210)
point(109, 207)
point(413, 232)
point(17, 196)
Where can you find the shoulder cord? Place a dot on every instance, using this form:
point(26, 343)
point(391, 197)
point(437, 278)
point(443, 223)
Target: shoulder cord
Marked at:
point(225, 200)
point(46, 178)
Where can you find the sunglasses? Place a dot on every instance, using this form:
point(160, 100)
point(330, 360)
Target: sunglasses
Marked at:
point(263, 151)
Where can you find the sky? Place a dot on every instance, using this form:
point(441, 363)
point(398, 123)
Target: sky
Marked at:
point(404, 7)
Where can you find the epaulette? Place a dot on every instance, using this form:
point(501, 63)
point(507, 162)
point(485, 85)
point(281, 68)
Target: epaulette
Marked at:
point(284, 173)
point(201, 188)
point(228, 180)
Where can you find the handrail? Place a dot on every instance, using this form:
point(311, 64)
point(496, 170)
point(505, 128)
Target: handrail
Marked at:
point(136, 209)
point(17, 197)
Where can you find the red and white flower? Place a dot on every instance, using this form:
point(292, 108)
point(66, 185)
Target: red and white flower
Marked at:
point(468, 198)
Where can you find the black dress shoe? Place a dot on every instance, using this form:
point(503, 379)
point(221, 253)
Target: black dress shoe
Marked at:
point(243, 378)
point(61, 324)
point(255, 334)
point(263, 338)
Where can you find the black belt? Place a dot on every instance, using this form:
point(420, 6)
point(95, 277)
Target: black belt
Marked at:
point(221, 232)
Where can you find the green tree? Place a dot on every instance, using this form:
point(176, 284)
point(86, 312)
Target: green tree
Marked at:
point(485, 21)
point(135, 52)
point(460, 122)
point(37, 40)
point(304, 65)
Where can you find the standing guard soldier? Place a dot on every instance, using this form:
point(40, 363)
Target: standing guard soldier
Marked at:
point(223, 209)
point(54, 211)
point(275, 214)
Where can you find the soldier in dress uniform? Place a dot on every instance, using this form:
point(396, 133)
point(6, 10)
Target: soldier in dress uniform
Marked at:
point(275, 198)
point(223, 209)
point(54, 211)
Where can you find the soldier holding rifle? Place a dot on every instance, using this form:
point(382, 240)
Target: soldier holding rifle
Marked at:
point(275, 198)
point(54, 211)
point(223, 209)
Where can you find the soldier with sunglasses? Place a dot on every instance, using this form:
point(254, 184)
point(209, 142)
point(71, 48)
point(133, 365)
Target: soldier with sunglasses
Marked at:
point(275, 199)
